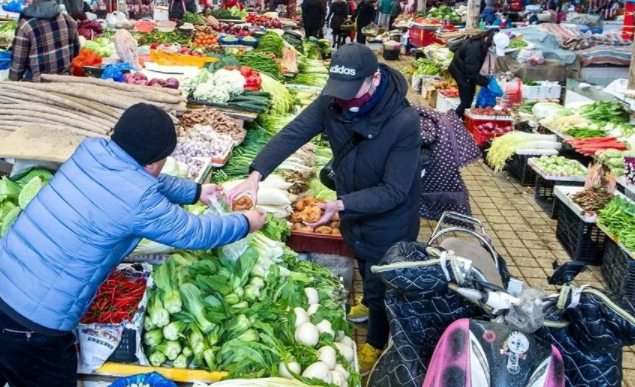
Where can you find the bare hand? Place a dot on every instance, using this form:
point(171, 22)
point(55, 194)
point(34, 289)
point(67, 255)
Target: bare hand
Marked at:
point(208, 191)
point(256, 219)
point(330, 209)
point(248, 187)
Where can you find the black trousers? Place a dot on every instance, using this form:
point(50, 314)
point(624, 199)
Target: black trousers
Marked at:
point(338, 37)
point(311, 32)
point(374, 294)
point(361, 38)
point(29, 359)
point(466, 95)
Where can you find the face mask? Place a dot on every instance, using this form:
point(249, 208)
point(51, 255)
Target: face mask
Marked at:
point(354, 104)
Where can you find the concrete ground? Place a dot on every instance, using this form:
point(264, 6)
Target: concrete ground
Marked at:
point(519, 228)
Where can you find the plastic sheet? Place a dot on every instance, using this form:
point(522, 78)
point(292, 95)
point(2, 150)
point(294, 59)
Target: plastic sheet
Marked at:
point(154, 379)
point(527, 317)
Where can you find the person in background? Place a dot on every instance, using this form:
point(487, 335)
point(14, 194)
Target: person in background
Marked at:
point(338, 14)
point(46, 41)
point(313, 13)
point(451, 147)
point(374, 133)
point(502, 21)
point(385, 7)
point(101, 202)
point(466, 65)
point(364, 15)
point(533, 19)
point(178, 8)
point(352, 6)
point(395, 11)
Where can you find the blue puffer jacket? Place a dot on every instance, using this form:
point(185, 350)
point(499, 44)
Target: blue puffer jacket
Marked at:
point(84, 222)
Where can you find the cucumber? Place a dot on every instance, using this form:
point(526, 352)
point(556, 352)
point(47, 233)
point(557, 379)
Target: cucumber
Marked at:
point(257, 93)
point(250, 102)
point(247, 106)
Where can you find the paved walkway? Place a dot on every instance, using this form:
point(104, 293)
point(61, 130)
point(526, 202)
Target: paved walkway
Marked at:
point(520, 231)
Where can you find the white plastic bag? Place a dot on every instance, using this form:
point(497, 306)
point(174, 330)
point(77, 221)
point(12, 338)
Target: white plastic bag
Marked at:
point(236, 249)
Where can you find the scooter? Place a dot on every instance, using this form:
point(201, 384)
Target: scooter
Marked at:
point(487, 353)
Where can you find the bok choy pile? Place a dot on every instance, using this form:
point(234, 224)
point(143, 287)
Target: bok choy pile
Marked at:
point(266, 315)
point(16, 193)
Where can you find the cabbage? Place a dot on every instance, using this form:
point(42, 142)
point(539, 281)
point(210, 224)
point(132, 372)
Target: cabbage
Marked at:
point(29, 191)
point(170, 167)
point(541, 109)
point(43, 174)
point(10, 219)
point(148, 247)
point(556, 113)
point(8, 189)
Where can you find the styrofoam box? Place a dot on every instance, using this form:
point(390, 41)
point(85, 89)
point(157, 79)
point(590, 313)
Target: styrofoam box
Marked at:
point(546, 90)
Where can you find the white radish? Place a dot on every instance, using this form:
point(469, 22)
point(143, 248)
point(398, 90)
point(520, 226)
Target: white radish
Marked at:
point(324, 326)
point(328, 356)
point(312, 295)
point(346, 351)
point(319, 370)
point(340, 368)
point(339, 335)
point(312, 309)
point(348, 341)
point(300, 317)
point(307, 334)
point(284, 370)
point(338, 379)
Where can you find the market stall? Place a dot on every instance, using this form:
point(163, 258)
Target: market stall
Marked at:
point(230, 82)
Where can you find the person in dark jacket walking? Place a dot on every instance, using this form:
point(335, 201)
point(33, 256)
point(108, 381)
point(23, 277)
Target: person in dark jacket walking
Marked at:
point(374, 134)
point(451, 147)
point(101, 202)
point(178, 8)
point(466, 65)
point(313, 14)
point(395, 11)
point(337, 15)
point(364, 15)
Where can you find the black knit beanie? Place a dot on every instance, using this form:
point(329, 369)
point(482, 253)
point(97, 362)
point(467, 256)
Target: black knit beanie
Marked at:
point(146, 133)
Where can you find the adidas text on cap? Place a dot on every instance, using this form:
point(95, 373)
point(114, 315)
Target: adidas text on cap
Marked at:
point(350, 65)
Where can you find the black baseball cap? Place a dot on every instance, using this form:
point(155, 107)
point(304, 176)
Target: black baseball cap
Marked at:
point(350, 65)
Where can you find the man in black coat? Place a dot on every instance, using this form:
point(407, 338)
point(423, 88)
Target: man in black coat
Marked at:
point(313, 14)
point(364, 15)
point(466, 65)
point(375, 135)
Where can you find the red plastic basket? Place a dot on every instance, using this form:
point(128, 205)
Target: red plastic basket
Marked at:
point(482, 138)
point(424, 36)
point(305, 242)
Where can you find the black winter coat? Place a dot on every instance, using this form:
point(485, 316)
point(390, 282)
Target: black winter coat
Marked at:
point(313, 14)
point(365, 14)
point(466, 65)
point(338, 13)
point(178, 8)
point(379, 180)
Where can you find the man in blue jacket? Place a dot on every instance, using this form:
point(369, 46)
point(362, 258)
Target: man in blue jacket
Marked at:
point(80, 226)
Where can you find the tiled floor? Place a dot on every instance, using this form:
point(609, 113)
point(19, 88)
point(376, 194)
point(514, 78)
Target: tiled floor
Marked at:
point(521, 232)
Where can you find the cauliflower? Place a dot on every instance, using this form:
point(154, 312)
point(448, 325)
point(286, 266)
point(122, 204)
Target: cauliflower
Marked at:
point(209, 92)
point(188, 85)
point(230, 80)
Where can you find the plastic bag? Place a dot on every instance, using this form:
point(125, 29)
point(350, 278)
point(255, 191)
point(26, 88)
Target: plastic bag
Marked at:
point(154, 379)
point(487, 95)
point(236, 249)
point(113, 71)
point(530, 56)
point(14, 6)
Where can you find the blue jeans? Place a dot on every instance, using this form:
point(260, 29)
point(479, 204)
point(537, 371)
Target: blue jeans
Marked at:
point(30, 359)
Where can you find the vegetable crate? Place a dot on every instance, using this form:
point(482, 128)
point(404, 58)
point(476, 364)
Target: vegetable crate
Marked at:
point(544, 195)
point(518, 167)
point(421, 36)
point(583, 241)
point(569, 152)
point(619, 270)
point(472, 123)
point(319, 243)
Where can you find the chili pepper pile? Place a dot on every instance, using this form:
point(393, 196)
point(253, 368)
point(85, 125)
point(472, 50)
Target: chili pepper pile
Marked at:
point(85, 58)
point(117, 300)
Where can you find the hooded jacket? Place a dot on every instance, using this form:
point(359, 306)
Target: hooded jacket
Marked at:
point(83, 223)
point(466, 65)
point(378, 180)
point(338, 13)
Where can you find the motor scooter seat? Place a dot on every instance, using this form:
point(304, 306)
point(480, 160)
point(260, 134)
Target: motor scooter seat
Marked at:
point(479, 256)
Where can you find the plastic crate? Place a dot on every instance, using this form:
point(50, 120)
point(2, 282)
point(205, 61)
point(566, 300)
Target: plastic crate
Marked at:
point(390, 54)
point(619, 270)
point(126, 351)
point(544, 91)
point(582, 241)
point(304, 242)
point(517, 167)
point(543, 193)
point(423, 36)
point(472, 123)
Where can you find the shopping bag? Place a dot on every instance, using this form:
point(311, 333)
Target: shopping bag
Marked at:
point(486, 96)
point(14, 6)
